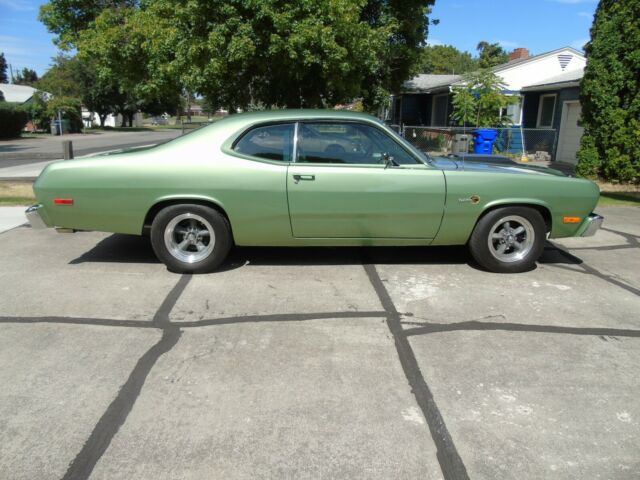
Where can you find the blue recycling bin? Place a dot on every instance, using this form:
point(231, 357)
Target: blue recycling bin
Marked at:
point(485, 138)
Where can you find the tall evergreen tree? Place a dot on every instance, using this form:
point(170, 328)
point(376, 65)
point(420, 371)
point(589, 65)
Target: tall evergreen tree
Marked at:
point(610, 94)
point(3, 69)
point(26, 76)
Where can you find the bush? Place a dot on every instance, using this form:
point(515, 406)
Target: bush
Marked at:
point(610, 94)
point(70, 108)
point(12, 120)
point(589, 162)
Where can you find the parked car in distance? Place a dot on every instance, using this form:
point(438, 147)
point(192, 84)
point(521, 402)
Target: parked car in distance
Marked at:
point(311, 178)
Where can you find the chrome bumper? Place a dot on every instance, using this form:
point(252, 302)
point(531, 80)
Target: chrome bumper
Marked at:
point(593, 224)
point(35, 219)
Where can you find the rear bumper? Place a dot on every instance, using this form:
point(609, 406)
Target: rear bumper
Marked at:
point(590, 225)
point(35, 218)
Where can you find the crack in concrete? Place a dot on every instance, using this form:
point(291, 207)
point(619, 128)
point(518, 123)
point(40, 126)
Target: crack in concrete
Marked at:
point(477, 325)
point(451, 463)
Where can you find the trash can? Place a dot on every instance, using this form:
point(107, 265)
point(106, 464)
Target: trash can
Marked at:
point(485, 138)
point(460, 143)
point(55, 127)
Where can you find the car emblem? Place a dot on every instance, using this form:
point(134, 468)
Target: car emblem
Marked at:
point(473, 199)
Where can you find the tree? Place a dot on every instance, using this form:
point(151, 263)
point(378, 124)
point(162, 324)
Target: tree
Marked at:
point(68, 18)
point(446, 59)
point(70, 76)
point(480, 101)
point(491, 54)
point(26, 76)
point(61, 78)
point(610, 94)
point(3, 69)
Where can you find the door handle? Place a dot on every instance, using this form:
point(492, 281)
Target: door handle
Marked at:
point(297, 177)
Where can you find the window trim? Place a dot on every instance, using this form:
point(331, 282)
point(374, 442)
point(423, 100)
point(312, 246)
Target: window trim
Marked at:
point(553, 112)
point(383, 131)
point(230, 148)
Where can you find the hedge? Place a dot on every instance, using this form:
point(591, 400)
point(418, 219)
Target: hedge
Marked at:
point(12, 120)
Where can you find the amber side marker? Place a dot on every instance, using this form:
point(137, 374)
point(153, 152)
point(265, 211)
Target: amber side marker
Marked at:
point(63, 201)
point(572, 220)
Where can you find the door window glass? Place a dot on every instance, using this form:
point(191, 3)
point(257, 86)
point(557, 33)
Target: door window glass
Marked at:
point(350, 143)
point(271, 142)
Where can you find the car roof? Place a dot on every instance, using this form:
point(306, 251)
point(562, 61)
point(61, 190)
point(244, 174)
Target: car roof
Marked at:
point(300, 114)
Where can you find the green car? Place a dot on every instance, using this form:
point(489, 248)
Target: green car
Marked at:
point(302, 178)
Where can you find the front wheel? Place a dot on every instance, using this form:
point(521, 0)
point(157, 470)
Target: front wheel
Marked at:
point(508, 239)
point(190, 238)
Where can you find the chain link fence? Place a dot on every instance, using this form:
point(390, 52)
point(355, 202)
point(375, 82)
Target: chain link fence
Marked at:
point(538, 144)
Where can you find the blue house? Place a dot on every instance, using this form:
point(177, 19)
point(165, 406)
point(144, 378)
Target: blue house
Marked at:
point(546, 87)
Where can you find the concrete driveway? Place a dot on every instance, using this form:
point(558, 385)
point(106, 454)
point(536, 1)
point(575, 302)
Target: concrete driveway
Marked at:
point(319, 363)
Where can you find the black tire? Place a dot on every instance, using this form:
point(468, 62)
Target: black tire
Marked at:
point(520, 251)
point(167, 236)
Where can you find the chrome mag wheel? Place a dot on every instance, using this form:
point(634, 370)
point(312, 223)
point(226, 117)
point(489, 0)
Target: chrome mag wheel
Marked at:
point(189, 238)
point(511, 238)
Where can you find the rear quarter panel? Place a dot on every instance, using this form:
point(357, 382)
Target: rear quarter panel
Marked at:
point(114, 193)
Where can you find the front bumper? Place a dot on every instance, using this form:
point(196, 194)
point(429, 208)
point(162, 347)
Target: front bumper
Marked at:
point(35, 218)
point(591, 225)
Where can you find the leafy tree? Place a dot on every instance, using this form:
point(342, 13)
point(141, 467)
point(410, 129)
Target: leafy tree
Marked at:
point(68, 18)
point(239, 53)
point(61, 78)
point(480, 101)
point(26, 76)
point(446, 59)
point(3, 69)
point(491, 54)
point(610, 94)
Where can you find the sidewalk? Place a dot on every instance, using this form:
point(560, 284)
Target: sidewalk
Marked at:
point(11, 217)
point(29, 171)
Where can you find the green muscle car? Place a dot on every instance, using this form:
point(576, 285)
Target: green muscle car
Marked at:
point(311, 178)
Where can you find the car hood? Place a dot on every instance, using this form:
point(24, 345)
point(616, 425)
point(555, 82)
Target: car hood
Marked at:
point(447, 163)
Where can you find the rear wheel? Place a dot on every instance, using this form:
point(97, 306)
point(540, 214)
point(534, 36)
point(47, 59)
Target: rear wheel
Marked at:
point(190, 238)
point(508, 239)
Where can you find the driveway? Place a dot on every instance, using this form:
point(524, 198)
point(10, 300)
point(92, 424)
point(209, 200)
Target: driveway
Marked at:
point(319, 363)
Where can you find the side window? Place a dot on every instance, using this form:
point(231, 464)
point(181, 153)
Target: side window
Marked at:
point(271, 142)
point(350, 143)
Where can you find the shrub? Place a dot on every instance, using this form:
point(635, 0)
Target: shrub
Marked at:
point(12, 120)
point(610, 94)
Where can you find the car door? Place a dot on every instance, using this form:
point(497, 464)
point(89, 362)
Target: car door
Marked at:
point(353, 180)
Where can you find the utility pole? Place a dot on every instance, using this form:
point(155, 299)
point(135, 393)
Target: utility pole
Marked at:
point(11, 72)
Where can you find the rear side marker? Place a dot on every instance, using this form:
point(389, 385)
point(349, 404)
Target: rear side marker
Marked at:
point(63, 201)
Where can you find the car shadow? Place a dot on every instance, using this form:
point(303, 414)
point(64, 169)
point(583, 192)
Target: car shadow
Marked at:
point(135, 249)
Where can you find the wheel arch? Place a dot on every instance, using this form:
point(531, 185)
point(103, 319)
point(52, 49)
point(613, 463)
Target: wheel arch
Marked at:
point(160, 204)
point(542, 208)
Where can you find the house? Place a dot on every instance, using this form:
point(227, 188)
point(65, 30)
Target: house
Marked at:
point(22, 94)
point(546, 86)
point(554, 103)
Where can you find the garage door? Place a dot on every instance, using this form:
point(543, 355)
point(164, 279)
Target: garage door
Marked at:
point(570, 133)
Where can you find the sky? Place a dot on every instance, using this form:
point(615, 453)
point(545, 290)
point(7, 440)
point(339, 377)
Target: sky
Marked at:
point(539, 25)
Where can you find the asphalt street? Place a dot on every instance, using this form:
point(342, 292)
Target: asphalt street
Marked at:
point(319, 363)
point(25, 151)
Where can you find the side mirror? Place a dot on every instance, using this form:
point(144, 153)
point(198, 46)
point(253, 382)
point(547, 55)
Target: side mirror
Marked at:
point(389, 161)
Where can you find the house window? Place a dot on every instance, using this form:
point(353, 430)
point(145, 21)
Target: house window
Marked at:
point(546, 109)
point(439, 110)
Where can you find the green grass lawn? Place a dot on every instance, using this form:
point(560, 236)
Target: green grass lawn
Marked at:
point(627, 199)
